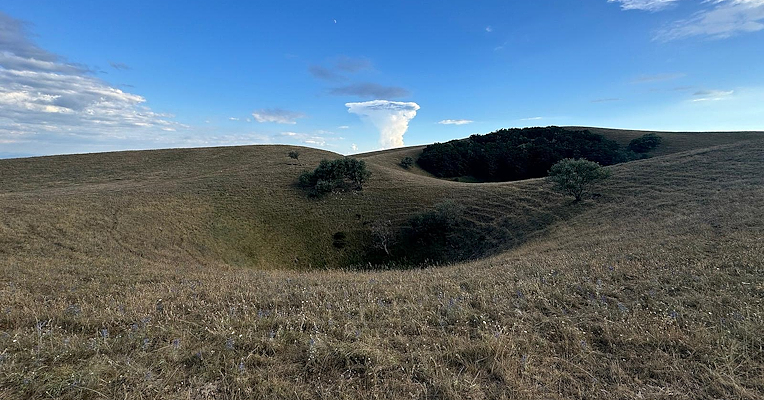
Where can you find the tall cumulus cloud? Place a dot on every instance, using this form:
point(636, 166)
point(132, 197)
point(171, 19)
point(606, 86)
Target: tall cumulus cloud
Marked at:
point(391, 118)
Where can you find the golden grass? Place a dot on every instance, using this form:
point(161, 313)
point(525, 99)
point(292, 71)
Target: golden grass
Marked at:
point(139, 288)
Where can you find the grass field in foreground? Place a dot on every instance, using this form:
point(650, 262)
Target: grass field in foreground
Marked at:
point(652, 290)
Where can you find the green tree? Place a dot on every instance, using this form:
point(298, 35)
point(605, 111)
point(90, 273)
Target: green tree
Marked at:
point(295, 155)
point(645, 143)
point(343, 174)
point(407, 162)
point(575, 176)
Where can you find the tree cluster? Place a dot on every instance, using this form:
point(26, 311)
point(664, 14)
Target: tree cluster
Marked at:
point(343, 174)
point(514, 154)
point(645, 143)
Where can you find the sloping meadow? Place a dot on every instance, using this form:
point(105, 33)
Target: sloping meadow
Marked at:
point(652, 290)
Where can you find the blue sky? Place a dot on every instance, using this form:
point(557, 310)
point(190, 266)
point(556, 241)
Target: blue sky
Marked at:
point(83, 76)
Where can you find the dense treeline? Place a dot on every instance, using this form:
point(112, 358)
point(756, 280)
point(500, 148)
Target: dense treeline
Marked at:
point(513, 154)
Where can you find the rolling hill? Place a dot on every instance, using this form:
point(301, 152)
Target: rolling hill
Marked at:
point(207, 273)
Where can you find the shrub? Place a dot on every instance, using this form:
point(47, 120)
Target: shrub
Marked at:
point(645, 143)
point(443, 234)
point(295, 155)
point(336, 175)
point(574, 177)
point(339, 240)
point(407, 162)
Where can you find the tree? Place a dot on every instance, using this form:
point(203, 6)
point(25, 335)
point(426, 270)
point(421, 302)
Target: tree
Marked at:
point(344, 174)
point(295, 155)
point(383, 234)
point(407, 162)
point(574, 176)
point(645, 143)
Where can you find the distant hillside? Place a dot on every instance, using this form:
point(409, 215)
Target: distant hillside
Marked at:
point(240, 205)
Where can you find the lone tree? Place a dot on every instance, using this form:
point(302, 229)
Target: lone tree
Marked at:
point(295, 155)
point(344, 174)
point(574, 177)
point(383, 234)
point(407, 162)
point(645, 143)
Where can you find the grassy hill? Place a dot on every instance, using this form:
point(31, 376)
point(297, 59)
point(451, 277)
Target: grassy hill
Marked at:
point(172, 273)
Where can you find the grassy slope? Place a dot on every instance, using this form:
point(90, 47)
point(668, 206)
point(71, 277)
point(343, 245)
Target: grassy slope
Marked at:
point(653, 290)
point(235, 206)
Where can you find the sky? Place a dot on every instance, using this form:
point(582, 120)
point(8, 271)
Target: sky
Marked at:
point(354, 76)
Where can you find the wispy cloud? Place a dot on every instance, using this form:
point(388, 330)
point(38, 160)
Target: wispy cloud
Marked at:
point(725, 19)
point(390, 117)
point(718, 19)
point(644, 5)
point(531, 119)
point(352, 64)
point(606, 100)
point(658, 77)
point(318, 138)
point(455, 122)
point(277, 115)
point(19, 52)
point(488, 29)
point(325, 73)
point(712, 95)
point(120, 66)
point(44, 99)
point(341, 66)
point(370, 90)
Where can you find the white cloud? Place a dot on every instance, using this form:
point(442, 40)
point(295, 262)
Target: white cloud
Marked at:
point(45, 101)
point(712, 95)
point(531, 119)
point(725, 19)
point(488, 29)
point(343, 127)
point(719, 19)
point(354, 147)
point(644, 5)
point(277, 115)
point(233, 119)
point(318, 138)
point(315, 141)
point(455, 122)
point(390, 117)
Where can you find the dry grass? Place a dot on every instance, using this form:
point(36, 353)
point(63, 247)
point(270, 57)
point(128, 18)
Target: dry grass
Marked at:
point(127, 290)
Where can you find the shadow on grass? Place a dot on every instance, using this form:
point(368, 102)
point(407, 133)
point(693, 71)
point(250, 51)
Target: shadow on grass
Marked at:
point(453, 233)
